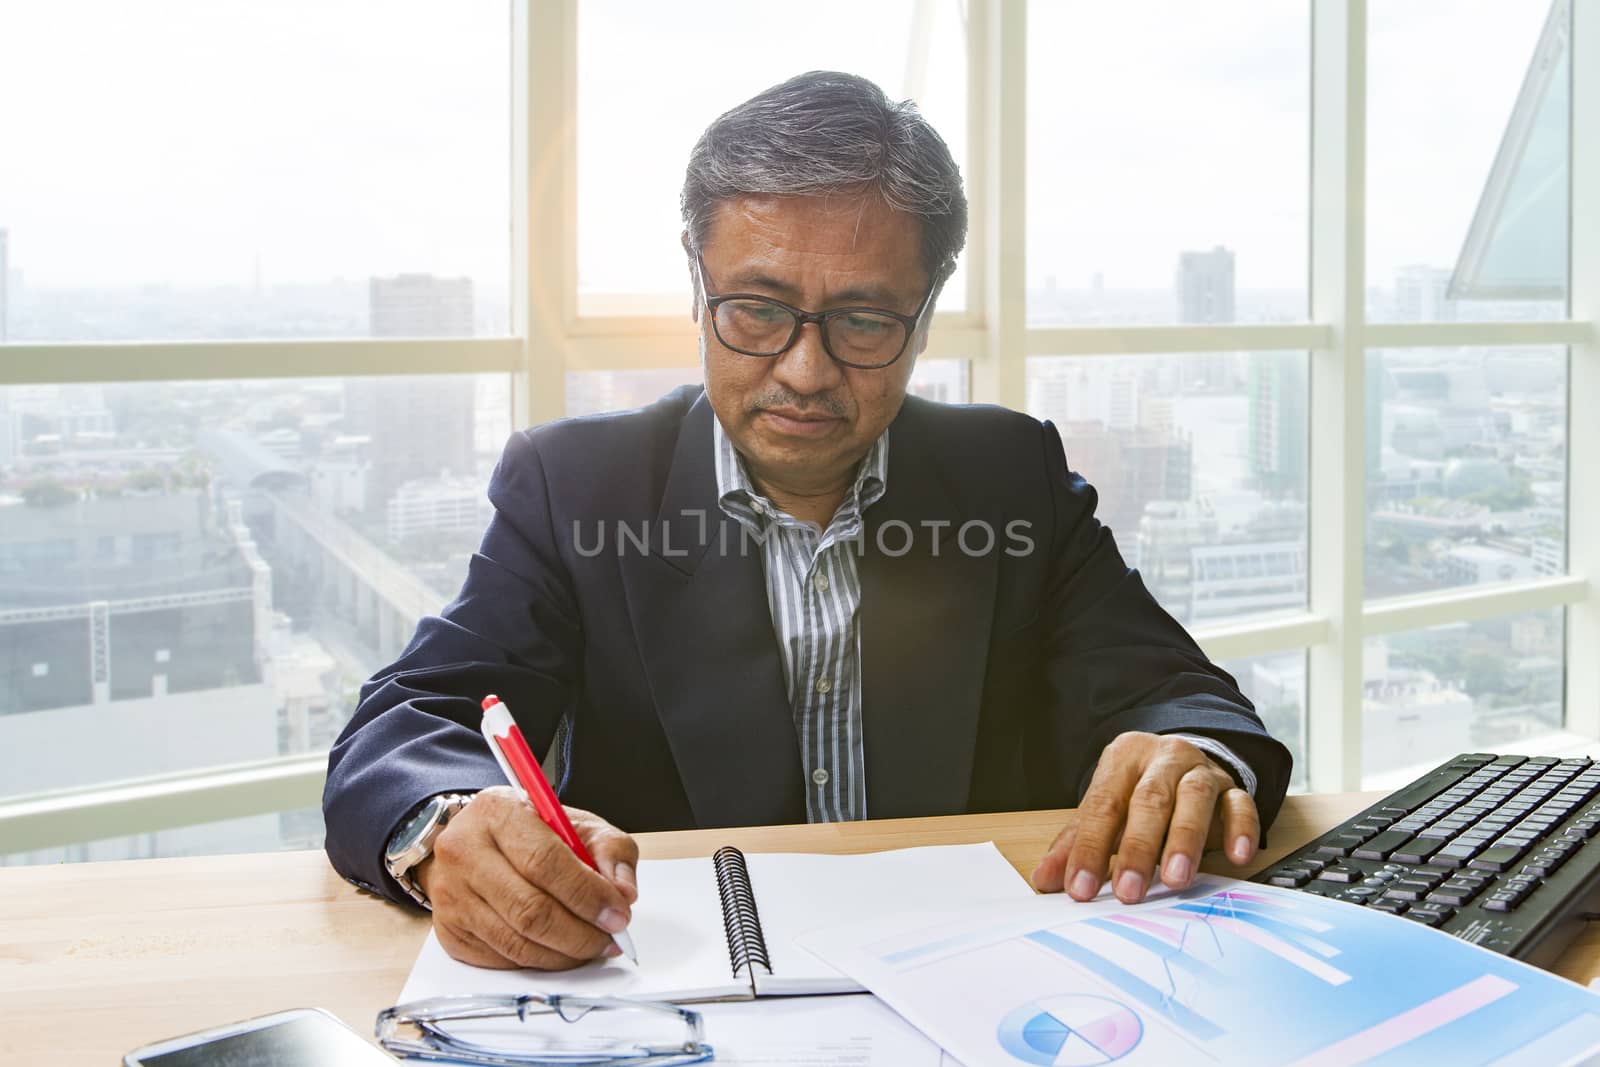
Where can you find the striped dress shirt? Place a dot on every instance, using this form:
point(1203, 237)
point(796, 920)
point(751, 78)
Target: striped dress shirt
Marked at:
point(814, 594)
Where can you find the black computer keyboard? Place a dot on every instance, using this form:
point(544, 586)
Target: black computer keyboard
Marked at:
point(1497, 850)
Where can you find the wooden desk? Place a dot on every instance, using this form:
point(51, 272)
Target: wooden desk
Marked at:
point(99, 958)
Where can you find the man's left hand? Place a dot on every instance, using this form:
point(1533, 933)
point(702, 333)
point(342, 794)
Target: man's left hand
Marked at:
point(1152, 798)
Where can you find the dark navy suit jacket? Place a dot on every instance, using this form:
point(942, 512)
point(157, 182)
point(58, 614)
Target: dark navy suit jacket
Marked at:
point(990, 680)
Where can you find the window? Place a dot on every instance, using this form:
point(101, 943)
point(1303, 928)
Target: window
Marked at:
point(1492, 685)
point(1276, 685)
point(1467, 160)
point(633, 146)
point(272, 543)
point(1200, 465)
point(1167, 162)
point(1466, 467)
point(202, 535)
point(207, 171)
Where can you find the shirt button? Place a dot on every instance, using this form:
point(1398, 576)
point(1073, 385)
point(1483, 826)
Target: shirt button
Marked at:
point(823, 685)
point(819, 776)
point(820, 583)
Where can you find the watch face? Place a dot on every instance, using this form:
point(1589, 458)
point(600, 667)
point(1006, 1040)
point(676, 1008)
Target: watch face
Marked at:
point(412, 831)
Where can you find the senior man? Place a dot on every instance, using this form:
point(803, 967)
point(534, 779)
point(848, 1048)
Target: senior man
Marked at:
point(796, 594)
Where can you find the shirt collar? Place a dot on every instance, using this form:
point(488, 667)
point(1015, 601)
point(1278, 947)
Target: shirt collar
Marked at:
point(737, 493)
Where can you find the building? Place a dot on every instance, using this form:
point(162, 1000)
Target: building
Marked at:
point(124, 597)
point(1279, 399)
point(1421, 294)
point(1483, 564)
point(1230, 580)
point(1206, 291)
point(455, 505)
point(1130, 468)
point(1205, 286)
point(418, 426)
point(420, 305)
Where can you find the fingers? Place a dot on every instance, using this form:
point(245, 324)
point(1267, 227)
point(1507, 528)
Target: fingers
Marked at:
point(1153, 799)
point(1241, 825)
point(486, 935)
point(543, 859)
point(614, 852)
point(1192, 816)
point(1100, 818)
point(1050, 874)
point(1149, 814)
point(507, 892)
point(537, 918)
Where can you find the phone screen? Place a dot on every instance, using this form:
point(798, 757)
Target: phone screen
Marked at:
point(304, 1041)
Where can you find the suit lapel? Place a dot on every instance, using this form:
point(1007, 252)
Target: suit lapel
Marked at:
point(698, 603)
point(925, 619)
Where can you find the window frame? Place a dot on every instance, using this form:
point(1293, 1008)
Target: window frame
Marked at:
point(549, 338)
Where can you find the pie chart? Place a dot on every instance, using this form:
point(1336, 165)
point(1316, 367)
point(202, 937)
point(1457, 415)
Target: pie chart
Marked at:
point(1070, 1030)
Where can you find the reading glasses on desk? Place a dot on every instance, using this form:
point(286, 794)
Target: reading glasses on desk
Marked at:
point(514, 1031)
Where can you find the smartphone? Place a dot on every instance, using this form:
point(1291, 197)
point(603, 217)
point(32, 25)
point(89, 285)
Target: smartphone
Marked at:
point(304, 1037)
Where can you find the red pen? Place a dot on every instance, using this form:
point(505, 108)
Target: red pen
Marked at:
point(516, 761)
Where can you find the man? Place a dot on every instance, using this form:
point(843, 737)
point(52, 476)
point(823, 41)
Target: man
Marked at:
point(796, 595)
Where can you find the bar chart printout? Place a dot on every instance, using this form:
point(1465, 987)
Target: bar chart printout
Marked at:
point(1224, 972)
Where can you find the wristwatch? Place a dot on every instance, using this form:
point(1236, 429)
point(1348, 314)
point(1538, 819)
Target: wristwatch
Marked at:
point(413, 842)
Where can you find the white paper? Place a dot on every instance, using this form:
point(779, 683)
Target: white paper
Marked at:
point(1222, 972)
point(796, 894)
point(678, 931)
point(838, 1031)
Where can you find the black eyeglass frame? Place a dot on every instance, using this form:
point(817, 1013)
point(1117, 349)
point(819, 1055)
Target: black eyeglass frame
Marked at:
point(802, 316)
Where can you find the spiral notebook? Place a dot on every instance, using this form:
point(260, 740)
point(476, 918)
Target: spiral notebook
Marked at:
point(724, 928)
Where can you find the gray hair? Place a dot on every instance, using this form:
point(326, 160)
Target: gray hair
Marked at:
point(824, 132)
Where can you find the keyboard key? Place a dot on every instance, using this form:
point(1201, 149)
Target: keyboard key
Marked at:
point(1501, 902)
point(1379, 847)
point(1407, 891)
point(1290, 879)
point(1339, 874)
point(1456, 855)
point(1453, 895)
point(1340, 845)
point(1426, 918)
point(1499, 858)
point(1418, 850)
point(1393, 907)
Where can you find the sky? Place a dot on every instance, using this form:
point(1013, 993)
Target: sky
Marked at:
point(194, 142)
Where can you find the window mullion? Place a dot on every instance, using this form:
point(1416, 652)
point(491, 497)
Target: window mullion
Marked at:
point(1583, 429)
point(1337, 467)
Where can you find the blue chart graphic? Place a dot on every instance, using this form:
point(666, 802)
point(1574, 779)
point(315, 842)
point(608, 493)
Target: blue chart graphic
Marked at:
point(1071, 1030)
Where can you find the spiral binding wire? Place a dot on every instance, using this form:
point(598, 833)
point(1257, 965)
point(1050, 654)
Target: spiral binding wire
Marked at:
point(747, 946)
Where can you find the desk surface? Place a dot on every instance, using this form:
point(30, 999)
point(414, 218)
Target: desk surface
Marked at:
point(99, 958)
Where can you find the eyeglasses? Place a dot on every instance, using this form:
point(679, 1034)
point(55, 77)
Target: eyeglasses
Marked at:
point(514, 1031)
point(861, 337)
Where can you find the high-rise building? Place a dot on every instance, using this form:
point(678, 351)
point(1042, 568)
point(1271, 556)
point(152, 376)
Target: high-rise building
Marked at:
point(1279, 397)
point(419, 427)
point(1130, 468)
point(1205, 290)
point(1421, 294)
point(420, 305)
point(1205, 286)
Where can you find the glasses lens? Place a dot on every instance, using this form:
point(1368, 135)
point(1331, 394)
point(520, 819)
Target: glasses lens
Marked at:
point(865, 337)
point(754, 326)
point(575, 1035)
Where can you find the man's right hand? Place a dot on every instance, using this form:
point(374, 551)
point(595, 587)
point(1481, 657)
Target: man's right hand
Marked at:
point(506, 892)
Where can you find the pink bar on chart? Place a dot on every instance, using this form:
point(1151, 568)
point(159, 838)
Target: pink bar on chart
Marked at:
point(1409, 1025)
